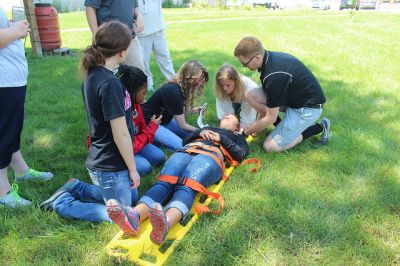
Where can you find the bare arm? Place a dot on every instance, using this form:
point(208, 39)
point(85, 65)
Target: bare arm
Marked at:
point(180, 119)
point(138, 17)
point(19, 29)
point(264, 122)
point(124, 143)
point(92, 19)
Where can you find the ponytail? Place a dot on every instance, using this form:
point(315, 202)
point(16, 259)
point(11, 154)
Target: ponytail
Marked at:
point(111, 38)
point(92, 57)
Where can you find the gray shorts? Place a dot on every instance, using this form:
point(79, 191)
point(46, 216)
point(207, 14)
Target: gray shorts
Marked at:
point(294, 123)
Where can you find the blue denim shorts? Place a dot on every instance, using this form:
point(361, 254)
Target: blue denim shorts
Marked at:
point(293, 124)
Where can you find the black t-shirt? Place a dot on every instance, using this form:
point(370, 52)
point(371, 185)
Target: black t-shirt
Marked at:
point(234, 142)
point(105, 99)
point(288, 82)
point(168, 99)
point(108, 10)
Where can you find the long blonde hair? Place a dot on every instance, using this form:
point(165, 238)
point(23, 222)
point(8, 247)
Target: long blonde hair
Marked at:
point(229, 72)
point(188, 70)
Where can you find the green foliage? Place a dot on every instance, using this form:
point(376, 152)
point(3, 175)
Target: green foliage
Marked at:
point(332, 205)
point(172, 4)
point(61, 6)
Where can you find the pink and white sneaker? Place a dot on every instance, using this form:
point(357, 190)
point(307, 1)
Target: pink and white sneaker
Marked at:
point(125, 217)
point(159, 222)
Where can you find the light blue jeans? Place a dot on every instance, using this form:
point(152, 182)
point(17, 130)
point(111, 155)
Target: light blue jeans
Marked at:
point(115, 185)
point(170, 136)
point(199, 167)
point(82, 201)
point(148, 156)
point(174, 127)
point(85, 201)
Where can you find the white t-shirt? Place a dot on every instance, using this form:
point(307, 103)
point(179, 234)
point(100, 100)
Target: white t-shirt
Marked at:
point(247, 114)
point(13, 65)
point(152, 16)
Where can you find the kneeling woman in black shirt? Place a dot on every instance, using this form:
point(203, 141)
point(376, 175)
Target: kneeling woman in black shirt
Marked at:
point(175, 99)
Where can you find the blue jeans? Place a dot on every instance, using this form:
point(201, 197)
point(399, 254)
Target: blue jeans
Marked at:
point(174, 127)
point(166, 138)
point(82, 201)
point(148, 156)
point(199, 167)
point(115, 185)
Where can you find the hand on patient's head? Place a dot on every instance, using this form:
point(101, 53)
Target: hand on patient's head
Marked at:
point(230, 122)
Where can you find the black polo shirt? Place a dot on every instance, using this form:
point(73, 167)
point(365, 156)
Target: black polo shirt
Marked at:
point(288, 82)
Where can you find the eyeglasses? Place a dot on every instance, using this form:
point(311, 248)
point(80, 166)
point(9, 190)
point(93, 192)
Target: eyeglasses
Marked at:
point(248, 62)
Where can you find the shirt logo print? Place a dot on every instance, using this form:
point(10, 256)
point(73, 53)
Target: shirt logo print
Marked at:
point(128, 102)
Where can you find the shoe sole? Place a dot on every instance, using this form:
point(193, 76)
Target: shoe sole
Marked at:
point(46, 204)
point(120, 218)
point(328, 128)
point(33, 179)
point(159, 224)
point(64, 188)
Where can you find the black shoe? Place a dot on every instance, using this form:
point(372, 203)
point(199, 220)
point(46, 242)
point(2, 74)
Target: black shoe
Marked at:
point(47, 204)
point(326, 132)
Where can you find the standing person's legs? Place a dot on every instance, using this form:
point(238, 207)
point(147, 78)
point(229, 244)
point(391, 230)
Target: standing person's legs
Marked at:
point(165, 137)
point(162, 55)
point(4, 183)
point(12, 102)
point(135, 57)
point(146, 42)
point(288, 133)
point(174, 127)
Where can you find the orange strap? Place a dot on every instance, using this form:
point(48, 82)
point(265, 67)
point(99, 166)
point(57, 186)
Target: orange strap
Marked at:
point(212, 155)
point(196, 186)
point(219, 150)
point(253, 161)
point(227, 155)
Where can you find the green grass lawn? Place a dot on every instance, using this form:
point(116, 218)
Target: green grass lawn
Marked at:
point(335, 205)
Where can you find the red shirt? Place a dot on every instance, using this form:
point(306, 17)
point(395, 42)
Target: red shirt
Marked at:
point(143, 134)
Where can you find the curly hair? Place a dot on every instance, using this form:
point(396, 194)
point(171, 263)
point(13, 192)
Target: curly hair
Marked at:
point(189, 70)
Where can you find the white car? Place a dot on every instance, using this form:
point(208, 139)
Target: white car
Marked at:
point(321, 4)
point(267, 3)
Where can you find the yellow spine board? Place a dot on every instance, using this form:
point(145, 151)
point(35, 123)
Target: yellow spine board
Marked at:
point(140, 249)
